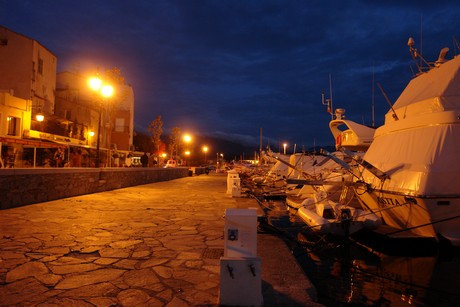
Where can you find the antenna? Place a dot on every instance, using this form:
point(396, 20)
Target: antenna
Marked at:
point(457, 47)
point(330, 95)
point(415, 54)
point(389, 102)
point(373, 87)
point(260, 148)
point(328, 102)
point(421, 38)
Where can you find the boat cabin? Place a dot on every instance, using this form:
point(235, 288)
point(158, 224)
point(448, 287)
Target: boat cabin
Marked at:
point(349, 134)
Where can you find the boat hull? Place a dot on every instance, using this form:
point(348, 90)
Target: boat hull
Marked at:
point(429, 217)
point(324, 226)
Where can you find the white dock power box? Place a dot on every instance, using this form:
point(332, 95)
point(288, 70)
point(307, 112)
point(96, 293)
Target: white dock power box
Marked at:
point(240, 233)
point(240, 268)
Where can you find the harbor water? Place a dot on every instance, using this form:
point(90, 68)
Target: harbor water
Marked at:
point(347, 272)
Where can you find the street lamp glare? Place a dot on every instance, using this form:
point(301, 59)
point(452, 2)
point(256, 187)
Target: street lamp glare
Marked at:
point(95, 83)
point(107, 90)
point(187, 138)
point(40, 117)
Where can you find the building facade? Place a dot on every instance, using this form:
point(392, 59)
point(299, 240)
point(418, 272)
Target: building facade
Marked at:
point(71, 112)
point(28, 70)
point(80, 107)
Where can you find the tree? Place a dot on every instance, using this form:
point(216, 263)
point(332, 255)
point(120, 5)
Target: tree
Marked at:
point(156, 130)
point(142, 142)
point(174, 141)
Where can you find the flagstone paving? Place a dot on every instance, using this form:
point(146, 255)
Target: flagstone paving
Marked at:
point(152, 245)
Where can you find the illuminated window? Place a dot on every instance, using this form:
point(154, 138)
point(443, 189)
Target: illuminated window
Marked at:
point(13, 125)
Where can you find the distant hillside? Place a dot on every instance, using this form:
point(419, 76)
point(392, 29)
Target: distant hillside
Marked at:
point(230, 149)
point(234, 150)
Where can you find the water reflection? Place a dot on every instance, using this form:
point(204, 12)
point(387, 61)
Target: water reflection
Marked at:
point(348, 273)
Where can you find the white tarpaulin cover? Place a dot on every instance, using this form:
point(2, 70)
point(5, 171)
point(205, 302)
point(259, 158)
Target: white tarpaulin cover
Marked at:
point(443, 82)
point(420, 150)
point(420, 162)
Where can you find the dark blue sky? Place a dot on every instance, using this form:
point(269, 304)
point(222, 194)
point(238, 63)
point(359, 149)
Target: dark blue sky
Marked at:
point(229, 68)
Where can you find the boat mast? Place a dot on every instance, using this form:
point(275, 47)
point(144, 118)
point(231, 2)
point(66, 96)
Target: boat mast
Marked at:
point(328, 102)
point(395, 116)
point(260, 145)
point(373, 90)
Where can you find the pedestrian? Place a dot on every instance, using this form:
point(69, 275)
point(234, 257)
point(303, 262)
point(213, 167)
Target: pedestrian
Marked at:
point(144, 160)
point(76, 158)
point(59, 157)
point(129, 160)
point(116, 159)
point(152, 160)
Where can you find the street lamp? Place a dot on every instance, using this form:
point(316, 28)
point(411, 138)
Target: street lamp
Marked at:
point(40, 117)
point(284, 146)
point(187, 138)
point(187, 154)
point(205, 150)
point(105, 91)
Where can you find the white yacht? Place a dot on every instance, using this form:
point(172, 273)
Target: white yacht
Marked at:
point(410, 174)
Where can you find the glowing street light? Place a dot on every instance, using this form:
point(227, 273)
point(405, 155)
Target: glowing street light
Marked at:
point(187, 155)
point(105, 91)
point(205, 150)
point(187, 138)
point(284, 146)
point(40, 117)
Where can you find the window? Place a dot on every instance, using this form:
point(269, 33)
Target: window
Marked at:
point(120, 125)
point(13, 125)
point(40, 66)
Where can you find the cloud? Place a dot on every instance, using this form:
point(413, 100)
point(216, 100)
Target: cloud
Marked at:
point(229, 68)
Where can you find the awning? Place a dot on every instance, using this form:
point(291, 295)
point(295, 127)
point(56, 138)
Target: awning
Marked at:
point(30, 142)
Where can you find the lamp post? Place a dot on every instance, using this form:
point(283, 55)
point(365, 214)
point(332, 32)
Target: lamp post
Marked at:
point(187, 140)
point(284, 146)
point(105, 91)
point(187, 154)
point(205, 150)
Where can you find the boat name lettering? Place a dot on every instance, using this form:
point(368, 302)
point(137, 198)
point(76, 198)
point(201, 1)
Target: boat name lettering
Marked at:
point(387, 201)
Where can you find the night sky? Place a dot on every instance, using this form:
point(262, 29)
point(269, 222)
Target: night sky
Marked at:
point(229, 68)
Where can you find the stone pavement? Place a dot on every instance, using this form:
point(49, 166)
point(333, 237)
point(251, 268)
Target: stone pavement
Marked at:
point(152, 245)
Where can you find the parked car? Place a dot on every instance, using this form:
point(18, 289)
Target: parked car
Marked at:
point(171, 163)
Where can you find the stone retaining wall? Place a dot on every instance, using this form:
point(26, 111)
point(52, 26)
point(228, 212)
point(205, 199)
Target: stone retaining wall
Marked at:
point(19, 187)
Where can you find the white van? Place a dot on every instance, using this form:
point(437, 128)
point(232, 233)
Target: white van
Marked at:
point(171, 163)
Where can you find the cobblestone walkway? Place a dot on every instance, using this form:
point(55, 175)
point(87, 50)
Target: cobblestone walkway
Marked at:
point(152, 245)
point(157, 245)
